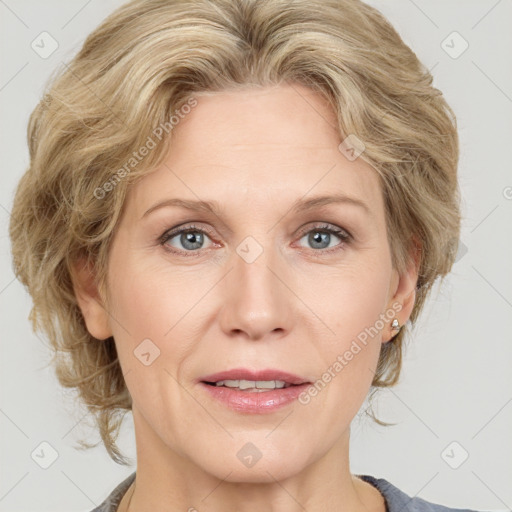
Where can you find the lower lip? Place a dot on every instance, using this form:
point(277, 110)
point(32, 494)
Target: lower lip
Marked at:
point(255, 401)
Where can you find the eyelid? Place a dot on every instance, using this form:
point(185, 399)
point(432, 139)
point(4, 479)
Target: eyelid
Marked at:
point(344, 235)
point(170, 233)
point(327, 226)
point(186, 226)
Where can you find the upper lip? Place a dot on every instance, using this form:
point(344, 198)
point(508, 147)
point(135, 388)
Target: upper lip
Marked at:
point(254, 375)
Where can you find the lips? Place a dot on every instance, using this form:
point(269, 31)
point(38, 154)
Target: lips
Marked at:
point(254, 375)
point(235, 389)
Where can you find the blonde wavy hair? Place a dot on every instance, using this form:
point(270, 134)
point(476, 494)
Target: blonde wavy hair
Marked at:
point(139, 68)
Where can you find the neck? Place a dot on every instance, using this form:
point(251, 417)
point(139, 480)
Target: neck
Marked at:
point(166, 477)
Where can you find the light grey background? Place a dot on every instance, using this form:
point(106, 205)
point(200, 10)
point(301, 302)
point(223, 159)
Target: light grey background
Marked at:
point(456, 383)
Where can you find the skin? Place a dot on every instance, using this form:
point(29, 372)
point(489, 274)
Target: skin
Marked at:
point(296, 307)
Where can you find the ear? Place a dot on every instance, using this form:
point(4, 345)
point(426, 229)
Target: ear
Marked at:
point(404, 291)
point(89, 300)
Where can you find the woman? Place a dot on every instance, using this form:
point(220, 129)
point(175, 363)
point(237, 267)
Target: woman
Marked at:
point(233, 209)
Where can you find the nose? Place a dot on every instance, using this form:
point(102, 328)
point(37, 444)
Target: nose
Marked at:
point(258, 300)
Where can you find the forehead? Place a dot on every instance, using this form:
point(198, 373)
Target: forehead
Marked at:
point(257, 145)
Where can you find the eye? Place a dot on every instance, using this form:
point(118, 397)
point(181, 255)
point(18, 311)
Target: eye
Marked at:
point(321, 237)
point(190, 239)
point(184, 239)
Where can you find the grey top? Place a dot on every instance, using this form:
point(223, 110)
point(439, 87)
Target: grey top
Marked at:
point(396, 500)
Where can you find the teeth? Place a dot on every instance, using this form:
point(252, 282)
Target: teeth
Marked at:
point(251, 384)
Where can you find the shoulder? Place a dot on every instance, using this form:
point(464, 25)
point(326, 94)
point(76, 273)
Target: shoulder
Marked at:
point(112, 501)
point(397, 500)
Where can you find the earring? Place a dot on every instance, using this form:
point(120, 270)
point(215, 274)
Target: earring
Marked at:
point(395, 325)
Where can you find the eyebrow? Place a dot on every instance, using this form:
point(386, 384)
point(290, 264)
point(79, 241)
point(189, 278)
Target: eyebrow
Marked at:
point(299, 206)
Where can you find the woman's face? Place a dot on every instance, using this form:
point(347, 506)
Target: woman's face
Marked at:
point(269, 280)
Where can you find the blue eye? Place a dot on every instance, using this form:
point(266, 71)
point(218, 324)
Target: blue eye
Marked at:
point(190, 239)
point(319, 237)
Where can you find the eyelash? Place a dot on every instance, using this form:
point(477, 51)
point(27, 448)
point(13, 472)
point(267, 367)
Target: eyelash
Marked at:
point(344, 236)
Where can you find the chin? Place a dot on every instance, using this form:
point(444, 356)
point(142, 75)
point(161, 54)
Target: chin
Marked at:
point(250, 462)
point(261, 473)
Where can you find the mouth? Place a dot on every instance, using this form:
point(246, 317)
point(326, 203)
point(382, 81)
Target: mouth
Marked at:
point(251, 391)
point(262, 380)
point(252, 386)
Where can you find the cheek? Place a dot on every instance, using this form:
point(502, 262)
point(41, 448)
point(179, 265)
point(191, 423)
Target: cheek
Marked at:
point(151, 297)
point(350, 304)
point(150, 326)
point(349, 348)
point(159, 302)
point(348, 300)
